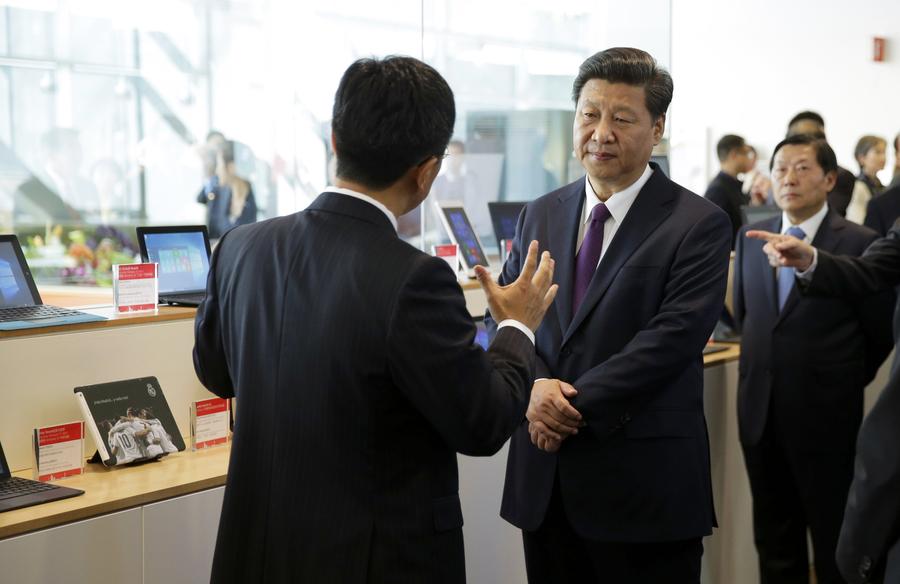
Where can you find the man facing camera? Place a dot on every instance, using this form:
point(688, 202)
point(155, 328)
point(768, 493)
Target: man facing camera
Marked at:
point(805, 362)
point(352, 358)
point(608, 477)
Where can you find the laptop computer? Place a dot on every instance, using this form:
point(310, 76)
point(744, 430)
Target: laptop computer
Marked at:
point(505, 217)
point(21, 306)
point(182, 253)
point(16, 492)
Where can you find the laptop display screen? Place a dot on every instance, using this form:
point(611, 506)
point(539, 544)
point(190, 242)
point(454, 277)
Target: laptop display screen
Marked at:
point(182, 259)
point(14, 288)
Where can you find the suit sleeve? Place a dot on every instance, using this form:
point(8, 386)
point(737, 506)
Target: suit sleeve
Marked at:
point(872, 515)
point(877, 269)
point(474, 399)
point(509, 274)
point(674, 338)
point(209, 353)
point(875, 312)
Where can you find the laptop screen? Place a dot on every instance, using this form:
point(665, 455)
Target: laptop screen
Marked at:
point(4, 472)
point(183, 260)
point(14, 283)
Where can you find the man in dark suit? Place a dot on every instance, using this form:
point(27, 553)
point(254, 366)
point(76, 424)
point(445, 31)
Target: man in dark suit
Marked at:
point(869, 545)
point(883, 210)
point(608, 477)
point(839, 196)
point(725, 190)
point(804, 364)
point(352, 358)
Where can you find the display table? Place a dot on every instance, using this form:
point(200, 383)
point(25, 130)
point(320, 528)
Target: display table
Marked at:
point(163, 516)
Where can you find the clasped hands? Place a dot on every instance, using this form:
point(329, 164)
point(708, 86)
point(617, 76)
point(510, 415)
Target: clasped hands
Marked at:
point(551, 418)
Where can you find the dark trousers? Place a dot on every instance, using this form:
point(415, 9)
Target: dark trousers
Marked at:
point(556, 554)
point(795, 489)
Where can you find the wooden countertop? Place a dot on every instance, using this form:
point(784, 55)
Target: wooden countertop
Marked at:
point(116, 489)
point(97, 301)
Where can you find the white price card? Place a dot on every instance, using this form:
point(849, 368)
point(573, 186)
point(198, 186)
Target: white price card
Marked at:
point(449, 252)
point(135, 287)
point(59, 451)
point(209, 422)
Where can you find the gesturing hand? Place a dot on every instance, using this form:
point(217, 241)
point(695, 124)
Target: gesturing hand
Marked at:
point(551, 418)
point(785, 250)
point(528, 298)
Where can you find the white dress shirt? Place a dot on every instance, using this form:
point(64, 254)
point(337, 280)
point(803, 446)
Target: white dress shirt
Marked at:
point(380, 206)
point(618, 204)
point(810, 227)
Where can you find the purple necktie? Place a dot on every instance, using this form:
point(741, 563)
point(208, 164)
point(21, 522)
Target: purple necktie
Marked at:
point(589, 255)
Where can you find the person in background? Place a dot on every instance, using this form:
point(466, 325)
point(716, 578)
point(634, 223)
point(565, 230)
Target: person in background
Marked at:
point(725, 190)
point(804, 364)
point(870, 154)
point(808, 122)
point(895, 181)
point(883, 210)
point(869, 545)
point(231, 203)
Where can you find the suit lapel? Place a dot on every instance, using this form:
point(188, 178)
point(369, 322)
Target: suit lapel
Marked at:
point(563, 222)
point(827, 238)
point(769, 279)
point(650, 208)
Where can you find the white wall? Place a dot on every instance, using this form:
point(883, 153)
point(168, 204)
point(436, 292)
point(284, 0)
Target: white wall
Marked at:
point(747, 67)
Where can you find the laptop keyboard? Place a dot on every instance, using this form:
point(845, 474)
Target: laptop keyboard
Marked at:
point(17, 487)
point(34, 313)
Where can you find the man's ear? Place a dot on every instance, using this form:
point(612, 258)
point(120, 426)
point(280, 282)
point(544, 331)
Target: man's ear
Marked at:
point(830, 180)
point(659, 128)
point(425, 174)
point(333, 147)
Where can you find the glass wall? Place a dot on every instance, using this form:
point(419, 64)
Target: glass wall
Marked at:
point(105, 107)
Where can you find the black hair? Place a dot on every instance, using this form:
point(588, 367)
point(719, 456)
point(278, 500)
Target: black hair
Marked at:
point(824, 154)
point(631, 66)
point(727, 144)
point(807, 115)
point(390, 115)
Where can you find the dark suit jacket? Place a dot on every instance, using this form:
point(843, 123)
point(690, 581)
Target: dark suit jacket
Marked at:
point(725, 191)
point(870, 535)
point(814, 358)
point(883, 210)
point(639, 471)
point(840, 195)
point(351, 356)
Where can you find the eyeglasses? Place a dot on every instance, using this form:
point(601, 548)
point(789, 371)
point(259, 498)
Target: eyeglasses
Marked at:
point(440, 157)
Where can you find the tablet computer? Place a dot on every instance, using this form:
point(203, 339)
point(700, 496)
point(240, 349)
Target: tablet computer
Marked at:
point(459, 228)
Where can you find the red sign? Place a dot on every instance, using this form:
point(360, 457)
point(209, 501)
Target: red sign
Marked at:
point(878, 47)
point(62, 433)
point(137, 271)
point(211, 406)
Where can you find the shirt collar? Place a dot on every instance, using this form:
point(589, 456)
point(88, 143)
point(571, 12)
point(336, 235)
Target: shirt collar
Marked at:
point(810, 227)
point(618, 203)
point(366, 198)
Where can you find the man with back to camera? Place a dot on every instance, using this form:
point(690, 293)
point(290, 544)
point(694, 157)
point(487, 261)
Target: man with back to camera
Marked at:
point(608, 477)
point(352, 357)
point(869, 546)
point(725, 190)
point(805, 362)
point(807, 122)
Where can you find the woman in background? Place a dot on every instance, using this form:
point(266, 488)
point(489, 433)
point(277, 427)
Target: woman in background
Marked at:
point(233, 203)
point(870, 154)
